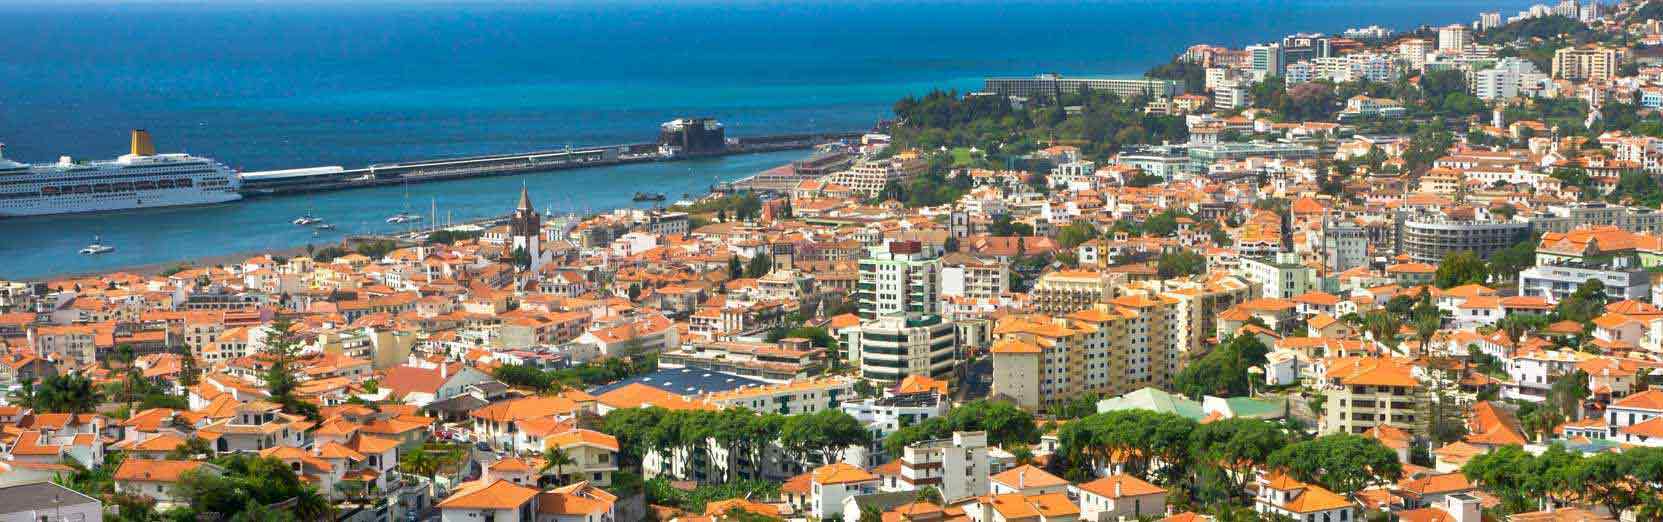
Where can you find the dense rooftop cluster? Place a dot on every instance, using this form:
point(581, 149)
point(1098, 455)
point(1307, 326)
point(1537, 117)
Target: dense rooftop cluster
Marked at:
point(1376, 276)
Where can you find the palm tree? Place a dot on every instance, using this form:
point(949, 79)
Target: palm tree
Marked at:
point(310, 505)
point(25, 394)
point(420, 463)
point(556, 459)
point(1427, 323)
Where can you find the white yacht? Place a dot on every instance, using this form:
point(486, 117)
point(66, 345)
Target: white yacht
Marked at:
point(141, 179)
point(307, 219)
point(97, 247)
point(404, 217)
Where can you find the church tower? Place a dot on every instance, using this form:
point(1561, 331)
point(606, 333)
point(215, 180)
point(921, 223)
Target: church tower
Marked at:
point(524, 228)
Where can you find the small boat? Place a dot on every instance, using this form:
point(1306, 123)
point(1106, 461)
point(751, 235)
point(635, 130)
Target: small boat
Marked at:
point(404, 217)
point(307, 219)
point(648, 196)
point(326, 226)
point(97, 248)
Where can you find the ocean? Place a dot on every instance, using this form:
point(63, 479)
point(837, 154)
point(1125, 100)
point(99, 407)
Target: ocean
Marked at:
point(287, 84)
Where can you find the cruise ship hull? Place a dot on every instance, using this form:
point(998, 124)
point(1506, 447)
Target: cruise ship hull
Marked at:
point(98, 203)
point(139, 180)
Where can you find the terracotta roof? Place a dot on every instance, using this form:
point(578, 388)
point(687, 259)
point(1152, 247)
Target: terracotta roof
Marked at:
point(1646, 400)
point(499, 494)
point(1028, 476)
point(1129, 486)
point(840, 473)
point(142, 470)
point(1436, 484)
point(723, 506)
point(577, 437)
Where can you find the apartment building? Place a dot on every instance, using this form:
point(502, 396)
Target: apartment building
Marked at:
point(1112, 348)
point(964, 275)
point(896, 346)
point(869, 177)
point(957, 466)
point(1365, 392)
point(1279, 277)
point(1589, 62)
point(900, 278)
point(1064, 291)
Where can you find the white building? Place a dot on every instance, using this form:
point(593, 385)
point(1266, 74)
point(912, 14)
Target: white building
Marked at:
point(1119, 497)
point(1281, 277)
point(1508, 79)
point(831, 484)
point(1454, 37)
point(45, 501)
point(957, 467)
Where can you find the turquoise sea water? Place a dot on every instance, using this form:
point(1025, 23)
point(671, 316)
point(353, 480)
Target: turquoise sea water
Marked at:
point(291, 84)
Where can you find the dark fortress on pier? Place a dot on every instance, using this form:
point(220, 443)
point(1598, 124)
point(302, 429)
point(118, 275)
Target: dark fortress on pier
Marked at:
point(693, 136)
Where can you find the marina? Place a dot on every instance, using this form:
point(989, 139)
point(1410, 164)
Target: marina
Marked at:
point(46, 246)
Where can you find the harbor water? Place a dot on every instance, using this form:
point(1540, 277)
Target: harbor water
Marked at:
point(284, 84)
point(44, 246)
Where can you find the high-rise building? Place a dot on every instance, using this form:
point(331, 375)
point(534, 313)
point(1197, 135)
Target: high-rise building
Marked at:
point(1506, 79)
point(1305, 46)
point(1429, 238)
point(1365, 392)
point(1490, 20)
point(1591, 62)
point(1454, 37)
point(902, 277)
point(1265, 60)
point(869, 177)
point(1344, 246)
point(902, 331)
point(896, 346)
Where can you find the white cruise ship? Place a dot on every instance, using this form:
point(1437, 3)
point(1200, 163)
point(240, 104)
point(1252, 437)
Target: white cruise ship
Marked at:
point(142, 179)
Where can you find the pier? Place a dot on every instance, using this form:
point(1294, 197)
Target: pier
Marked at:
point(316, 179)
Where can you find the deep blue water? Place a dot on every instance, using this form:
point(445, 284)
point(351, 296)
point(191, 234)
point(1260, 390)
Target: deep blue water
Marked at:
point(292, 84)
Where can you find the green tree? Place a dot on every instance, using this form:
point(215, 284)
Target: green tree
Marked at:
point(1584, 304)
point(736, 268)
point(1223, 371)
point(1460, 268)
point(556, 459)
point(1075, 233)
point(1182, 262)
point(1229, 443)
point(281, 349)
point(1344, 463)
point(65, 393)
point(759, 266)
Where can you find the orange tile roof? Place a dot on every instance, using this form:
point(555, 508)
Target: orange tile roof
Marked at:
point(142, 470)
point(1028, 476)
point(499, 494)
point(581, 437)
point(841, 473)
point(526, 408)
point(1646, 400)
point(723, 506)
point(1436, 484)
point(1129, 486)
